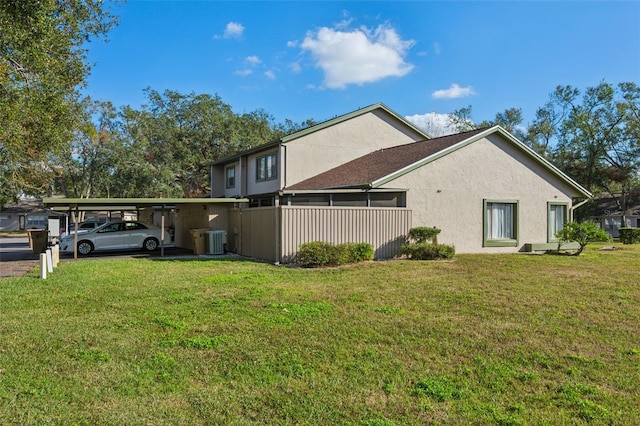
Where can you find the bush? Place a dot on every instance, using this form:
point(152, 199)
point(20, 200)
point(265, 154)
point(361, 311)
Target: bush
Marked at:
point(360, 252)
point(422, 244)
point(320, 253)
point(582, 233)
point(424, 234)
point(629, 235)
point(427, 251)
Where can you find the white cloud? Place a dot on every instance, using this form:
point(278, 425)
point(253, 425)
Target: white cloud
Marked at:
point(243, 73)
point(433, 123)
point(436, 48)
point(295, 67)
point(270, 75)
point(359, 56)
point(454, 91)
point(253, 60)
point(232, 30)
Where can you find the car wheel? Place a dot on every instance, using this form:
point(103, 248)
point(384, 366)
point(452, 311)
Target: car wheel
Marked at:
point(85, 247)
point(150, 244)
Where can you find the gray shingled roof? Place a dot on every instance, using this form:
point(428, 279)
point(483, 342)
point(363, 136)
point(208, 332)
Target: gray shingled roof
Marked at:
point(376, 165)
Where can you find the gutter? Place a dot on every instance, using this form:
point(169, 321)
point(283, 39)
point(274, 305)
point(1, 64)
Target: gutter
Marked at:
point(580, 204)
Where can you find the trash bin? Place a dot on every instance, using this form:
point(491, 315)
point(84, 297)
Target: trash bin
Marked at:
point(198, 240)
point(216, 241)
point(39, 239)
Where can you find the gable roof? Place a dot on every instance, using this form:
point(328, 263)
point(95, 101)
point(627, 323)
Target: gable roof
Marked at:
point(353, 114)
point(382, 166)
point(324, 125)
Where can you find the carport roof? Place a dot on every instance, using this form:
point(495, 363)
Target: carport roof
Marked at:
point(130, 203)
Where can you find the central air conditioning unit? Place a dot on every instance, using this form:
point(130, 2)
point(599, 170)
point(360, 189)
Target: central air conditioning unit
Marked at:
point(217, 241)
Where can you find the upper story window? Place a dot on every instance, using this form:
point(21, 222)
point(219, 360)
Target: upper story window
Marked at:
point(230, 177)
point(266, 167)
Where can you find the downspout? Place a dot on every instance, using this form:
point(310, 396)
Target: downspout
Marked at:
point(284, 166)
point(580, 204)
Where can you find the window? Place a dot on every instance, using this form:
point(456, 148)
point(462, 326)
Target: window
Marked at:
point(349, 200)
point(557, 217)
point(307, 200)
point(262, 202)
point(500, 223)
point(386, 199)
point(230, 177)
point(35, 221)
point(266, 167)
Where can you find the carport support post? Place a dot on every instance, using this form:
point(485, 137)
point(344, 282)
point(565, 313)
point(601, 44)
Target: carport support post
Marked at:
point(75, 233)
point(162, 232)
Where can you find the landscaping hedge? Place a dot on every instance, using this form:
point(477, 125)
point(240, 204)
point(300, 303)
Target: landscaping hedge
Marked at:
point(629, 235)
point(320, 253)
point(426, 251)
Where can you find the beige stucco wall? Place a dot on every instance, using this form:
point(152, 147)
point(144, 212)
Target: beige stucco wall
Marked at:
point(199, 216)
point(448, 193)
point(335, 145)
point(249, 173)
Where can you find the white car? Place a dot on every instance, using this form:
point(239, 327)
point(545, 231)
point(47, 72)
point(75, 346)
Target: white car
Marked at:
point(121, 235)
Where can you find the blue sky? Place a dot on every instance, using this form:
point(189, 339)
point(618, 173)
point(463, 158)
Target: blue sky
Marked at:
point(319, 59)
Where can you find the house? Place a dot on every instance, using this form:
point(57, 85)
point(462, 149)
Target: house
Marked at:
point(370, 175)
point(606, 212)
point(26, 214)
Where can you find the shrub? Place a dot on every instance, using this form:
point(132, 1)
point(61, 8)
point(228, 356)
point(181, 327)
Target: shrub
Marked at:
point(359, 252)
point(426, 251)
point(629, 235)
point(424, 234)
point(582, 233)
point(315, 253)
point(320, 253)
point(422, 244)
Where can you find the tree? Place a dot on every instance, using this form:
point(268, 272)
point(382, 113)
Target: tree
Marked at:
point(461, 120)
point(510, 120)
point(582, 233)
point(83, 167)
point(174, 137)
point(594, 137)
point(42, 65)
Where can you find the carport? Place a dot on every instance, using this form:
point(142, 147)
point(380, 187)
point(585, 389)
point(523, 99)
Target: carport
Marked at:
point(196, 212)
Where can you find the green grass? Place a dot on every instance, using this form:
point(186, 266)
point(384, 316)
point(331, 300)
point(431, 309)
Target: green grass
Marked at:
point(482, 339)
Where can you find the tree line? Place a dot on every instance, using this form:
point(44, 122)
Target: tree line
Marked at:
point(54, 141)
point(161, 149)
point(591, 135)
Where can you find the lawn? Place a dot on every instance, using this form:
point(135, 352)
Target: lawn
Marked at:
point(482, 339)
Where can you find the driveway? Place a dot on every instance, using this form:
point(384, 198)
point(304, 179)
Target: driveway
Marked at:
point(16, 258)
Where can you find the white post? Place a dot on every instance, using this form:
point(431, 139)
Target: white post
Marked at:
point(56, 255)
point(43, 266)
point(49, 261)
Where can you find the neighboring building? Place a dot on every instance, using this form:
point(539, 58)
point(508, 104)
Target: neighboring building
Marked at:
point(607, 214)
point(26, 214)
point(371, 175)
